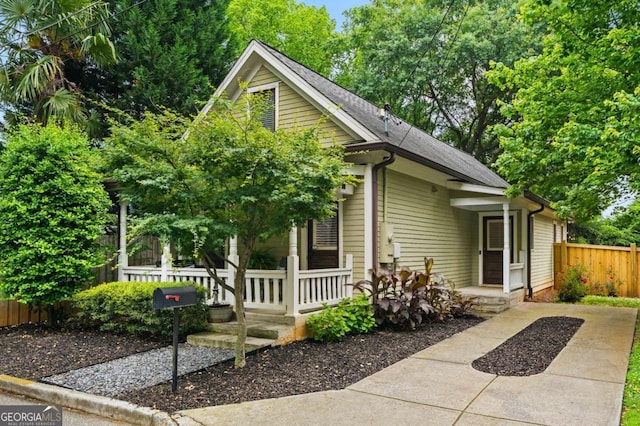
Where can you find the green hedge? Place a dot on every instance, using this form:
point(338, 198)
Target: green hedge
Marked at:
point(127, 307)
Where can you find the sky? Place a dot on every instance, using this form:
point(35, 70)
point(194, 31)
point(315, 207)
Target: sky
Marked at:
point(336, 7)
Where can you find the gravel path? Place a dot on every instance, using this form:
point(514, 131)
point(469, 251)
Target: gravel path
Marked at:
point(138, 371)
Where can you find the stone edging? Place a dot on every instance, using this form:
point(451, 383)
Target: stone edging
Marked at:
point(93, 404)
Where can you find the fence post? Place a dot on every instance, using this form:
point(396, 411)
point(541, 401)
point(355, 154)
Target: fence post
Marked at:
point(634, 270)
point(349, 284)
point(123, 259)
point(293, 282)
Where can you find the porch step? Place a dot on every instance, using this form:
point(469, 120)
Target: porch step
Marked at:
point(227, 341)
point(490, 302)
point(280, 333)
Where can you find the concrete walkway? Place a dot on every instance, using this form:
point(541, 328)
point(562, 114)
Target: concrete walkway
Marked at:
point(438, 386)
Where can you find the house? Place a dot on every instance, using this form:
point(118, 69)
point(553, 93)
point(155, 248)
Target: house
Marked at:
point(417, 197)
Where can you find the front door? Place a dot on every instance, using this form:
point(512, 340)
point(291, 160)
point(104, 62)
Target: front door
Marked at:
point(492, 248)
point(323, 243)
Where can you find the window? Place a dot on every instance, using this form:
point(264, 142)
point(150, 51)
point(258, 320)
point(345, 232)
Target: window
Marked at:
point(495, 234)
point(325, 234)
point(270, 114)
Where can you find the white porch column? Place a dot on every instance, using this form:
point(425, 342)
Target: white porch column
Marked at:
point(506, 252)
point(233, 260)
point(164, 262)
point(123, 257)
point(369, 261)
point(291, 292)
point(293, 241)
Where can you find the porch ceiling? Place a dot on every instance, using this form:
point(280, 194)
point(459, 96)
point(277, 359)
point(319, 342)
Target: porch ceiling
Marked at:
point(482, 204)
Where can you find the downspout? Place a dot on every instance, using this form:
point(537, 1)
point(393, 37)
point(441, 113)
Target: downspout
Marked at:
point(529, 237)
point(374, 196)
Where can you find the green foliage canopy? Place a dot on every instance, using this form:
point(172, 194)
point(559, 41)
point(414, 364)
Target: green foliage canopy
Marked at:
point(170, 53)
point(53, 208)
point(305, 33)
point(44, 45)
point(428, 62)
point(224, 175)
point(576, 140)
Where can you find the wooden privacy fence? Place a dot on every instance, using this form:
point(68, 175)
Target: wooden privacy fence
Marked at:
point(14, 313)
point(601, 261)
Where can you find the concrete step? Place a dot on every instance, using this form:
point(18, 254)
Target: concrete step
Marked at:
point(227, 341)
point(281, 333)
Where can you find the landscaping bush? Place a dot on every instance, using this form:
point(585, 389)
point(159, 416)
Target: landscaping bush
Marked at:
point(349, 316)
point(127, 307)
point(573, 284)
point(406, 299)
point(609, 288)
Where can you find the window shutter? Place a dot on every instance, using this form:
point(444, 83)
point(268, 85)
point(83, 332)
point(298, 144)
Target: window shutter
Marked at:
point(269, 116)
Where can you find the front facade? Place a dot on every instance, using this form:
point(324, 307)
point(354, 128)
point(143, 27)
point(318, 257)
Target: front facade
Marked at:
point(417, 197)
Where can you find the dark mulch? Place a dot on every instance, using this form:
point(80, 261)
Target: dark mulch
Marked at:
point(531, 350)
point(301, 367)
point(32, 351)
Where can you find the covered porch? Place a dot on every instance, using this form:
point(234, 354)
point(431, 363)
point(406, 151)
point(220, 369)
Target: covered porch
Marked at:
point(287, 291)
point(502, 239)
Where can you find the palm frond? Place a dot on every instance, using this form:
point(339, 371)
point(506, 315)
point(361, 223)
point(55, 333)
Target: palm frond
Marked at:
point(62, 104)
point(99, 48)
point(38, 76)
point(13, 12)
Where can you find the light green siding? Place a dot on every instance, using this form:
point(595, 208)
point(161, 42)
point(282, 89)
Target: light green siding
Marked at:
point(542, 253)
point(353, 230)
point(296, 111)
point(425, 224)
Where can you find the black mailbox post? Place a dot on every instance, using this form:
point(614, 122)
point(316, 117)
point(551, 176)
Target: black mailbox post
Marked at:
point(174, 298)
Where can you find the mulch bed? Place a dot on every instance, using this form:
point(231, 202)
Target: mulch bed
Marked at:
point(301, 367)
point(531, 350)
point(32, 352)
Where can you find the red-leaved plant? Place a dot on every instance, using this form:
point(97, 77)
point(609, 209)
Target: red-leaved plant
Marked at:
point(405, 299)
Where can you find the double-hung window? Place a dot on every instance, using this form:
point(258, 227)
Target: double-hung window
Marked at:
point(270, 114)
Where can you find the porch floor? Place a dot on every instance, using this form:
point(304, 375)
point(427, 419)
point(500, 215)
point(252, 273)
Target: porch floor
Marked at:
point(492, 300)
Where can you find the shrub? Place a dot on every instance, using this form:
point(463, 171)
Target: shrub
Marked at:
point(609, 288)
point(349, 316)
point(357, 313)
point(53, 207)
point(327, 326)
point(127, 307)
point(573, 283)
point(406, 299)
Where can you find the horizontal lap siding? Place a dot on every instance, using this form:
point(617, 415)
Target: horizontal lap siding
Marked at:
point(353, 230)
point(296, 111)
point(425, 224)
point(542, 253)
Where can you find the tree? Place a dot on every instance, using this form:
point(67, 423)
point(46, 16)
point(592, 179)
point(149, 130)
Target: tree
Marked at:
point(305, 33)
point(170, 51)
point(43, 43)
point(427, 59)
point(576, 140)
point(228, 176)
point(53, 207)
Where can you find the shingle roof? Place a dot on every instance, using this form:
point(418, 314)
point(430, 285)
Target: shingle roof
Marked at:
point(402, 138)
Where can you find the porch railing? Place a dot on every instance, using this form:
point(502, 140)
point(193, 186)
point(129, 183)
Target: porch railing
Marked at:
point(290, 291)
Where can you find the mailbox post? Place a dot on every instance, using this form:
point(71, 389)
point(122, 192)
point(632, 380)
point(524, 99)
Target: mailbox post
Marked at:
point(174, 298)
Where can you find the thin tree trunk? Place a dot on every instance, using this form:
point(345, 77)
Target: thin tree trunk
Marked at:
point(238, 285)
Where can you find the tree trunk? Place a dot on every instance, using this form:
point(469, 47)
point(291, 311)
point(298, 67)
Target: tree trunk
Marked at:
point(238, 285)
